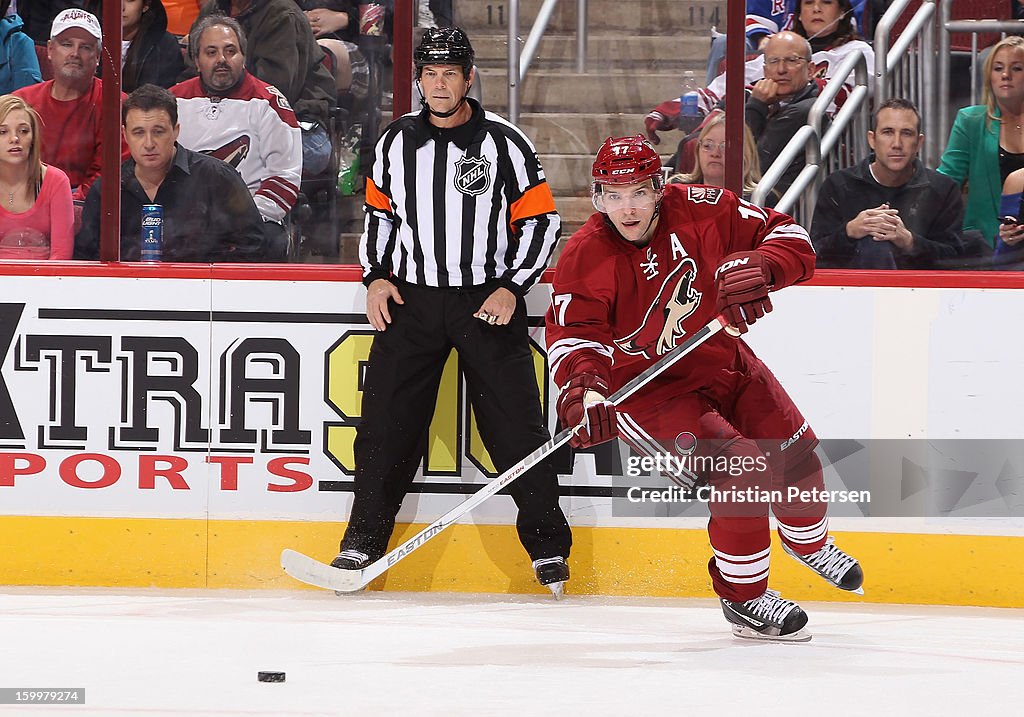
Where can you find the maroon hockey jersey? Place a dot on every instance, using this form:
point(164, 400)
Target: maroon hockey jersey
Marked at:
point(616, 308)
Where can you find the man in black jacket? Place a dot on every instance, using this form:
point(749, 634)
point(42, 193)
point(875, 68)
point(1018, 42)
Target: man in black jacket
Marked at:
point(889, 211)
point(779, 103)
point(208, 213)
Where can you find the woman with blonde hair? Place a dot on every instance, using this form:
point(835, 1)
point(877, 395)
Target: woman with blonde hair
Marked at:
point(986, 144)
point(709, 155)
point(36, 212)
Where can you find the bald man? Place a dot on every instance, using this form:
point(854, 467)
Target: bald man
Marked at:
point(779, 103)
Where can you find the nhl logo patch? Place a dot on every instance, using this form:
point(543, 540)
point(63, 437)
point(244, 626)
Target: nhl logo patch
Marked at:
point(473, 175)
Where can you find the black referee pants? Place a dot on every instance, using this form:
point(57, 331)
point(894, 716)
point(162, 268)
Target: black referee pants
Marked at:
point(399, 393)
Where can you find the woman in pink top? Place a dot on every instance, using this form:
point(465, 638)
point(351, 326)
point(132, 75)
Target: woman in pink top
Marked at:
point(36, 212)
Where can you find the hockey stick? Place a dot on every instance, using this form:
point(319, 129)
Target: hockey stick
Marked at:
point(303, 568)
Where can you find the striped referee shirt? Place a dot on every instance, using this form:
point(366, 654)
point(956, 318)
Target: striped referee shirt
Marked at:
point(457, 207)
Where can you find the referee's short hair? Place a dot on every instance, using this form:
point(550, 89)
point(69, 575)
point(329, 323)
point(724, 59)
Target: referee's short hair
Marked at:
point(150, 97)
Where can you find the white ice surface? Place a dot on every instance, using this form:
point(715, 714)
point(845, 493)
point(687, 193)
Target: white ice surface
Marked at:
point(197, 653)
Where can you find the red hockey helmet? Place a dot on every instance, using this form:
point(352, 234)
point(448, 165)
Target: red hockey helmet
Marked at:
point(626, 160)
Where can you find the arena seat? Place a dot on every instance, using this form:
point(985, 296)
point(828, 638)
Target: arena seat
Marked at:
point(45, 68)
point(962, 10)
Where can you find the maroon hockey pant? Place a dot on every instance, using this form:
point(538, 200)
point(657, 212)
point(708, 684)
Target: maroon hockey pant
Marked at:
point(752, 445)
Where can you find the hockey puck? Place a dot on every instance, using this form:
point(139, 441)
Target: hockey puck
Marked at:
point(270, 676)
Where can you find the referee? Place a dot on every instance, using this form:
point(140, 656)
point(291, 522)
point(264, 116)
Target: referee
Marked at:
point(460, 223)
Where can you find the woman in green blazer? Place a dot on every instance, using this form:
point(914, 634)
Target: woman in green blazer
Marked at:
point(986, 143)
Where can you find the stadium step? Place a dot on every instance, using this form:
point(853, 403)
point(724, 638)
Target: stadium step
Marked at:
point(637, 52)
point(575, 132)
point(627, 18)
point(604, 51)
point(591, 93)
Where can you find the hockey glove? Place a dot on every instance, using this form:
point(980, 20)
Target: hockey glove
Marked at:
point(661, 119)
point(582, 403)
point(743, 281)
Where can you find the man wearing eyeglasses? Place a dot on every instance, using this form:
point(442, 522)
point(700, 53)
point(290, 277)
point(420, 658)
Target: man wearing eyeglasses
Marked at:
point(779, 103)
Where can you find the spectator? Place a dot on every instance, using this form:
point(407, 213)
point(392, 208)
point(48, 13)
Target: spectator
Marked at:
point(335, 24)
point(829, 28)
point(153, 55)
point(764, 18)
point(779, 103)
point(36, 214)
point(70, 104)
point(208, 213)
point(443, 12)
point(19, 66)
point(1009, 251)
point(337, 19)
point(709, 157)
point(229, 114)
point(889, 211)
point(986, 143)
point(284, 53)
point(181, 14)
point(40, 14)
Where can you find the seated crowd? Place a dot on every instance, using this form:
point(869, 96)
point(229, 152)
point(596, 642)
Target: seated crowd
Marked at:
point(252, 93)
point(254, 81)
point(889, 211)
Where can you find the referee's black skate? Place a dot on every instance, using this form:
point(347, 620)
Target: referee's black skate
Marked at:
point(552, 572)
point(767, 617)
point(350, 560)
point(834, 565)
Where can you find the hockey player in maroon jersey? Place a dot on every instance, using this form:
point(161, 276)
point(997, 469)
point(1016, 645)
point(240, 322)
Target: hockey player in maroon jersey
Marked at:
point(653, 264)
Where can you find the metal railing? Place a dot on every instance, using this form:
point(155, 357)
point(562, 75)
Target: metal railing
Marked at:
point(519, 63)
point(847, 130)
point(974, 28)
point(805, 142)
point(900, 70)
point(904, 71)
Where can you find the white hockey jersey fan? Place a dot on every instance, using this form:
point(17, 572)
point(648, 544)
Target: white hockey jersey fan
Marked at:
point(254, 130)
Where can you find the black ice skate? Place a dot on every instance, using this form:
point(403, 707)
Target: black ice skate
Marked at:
point(768, 617)
point(552, 572)
point(834, 565)
point(350, 560)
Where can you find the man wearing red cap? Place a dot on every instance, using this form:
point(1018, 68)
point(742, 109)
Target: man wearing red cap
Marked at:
point(70, 104)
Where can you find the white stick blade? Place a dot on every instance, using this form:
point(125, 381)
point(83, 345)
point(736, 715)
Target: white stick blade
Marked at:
point(312, 572)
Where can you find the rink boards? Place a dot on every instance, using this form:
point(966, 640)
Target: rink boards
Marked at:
point(177, 427)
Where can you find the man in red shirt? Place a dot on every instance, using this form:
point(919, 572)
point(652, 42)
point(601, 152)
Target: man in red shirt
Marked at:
point(70, 104)
point(652, 266)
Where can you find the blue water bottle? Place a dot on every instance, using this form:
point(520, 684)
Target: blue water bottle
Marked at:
point(689, 112)
point(152, 232)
